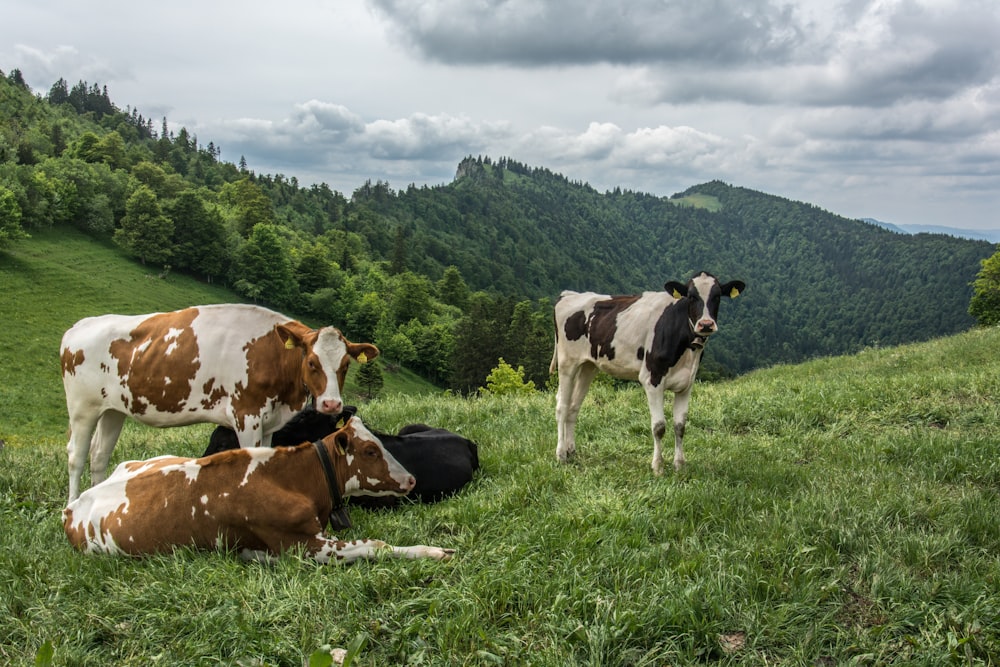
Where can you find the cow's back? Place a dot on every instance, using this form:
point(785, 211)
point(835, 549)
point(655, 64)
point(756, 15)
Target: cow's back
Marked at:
point(163, 366)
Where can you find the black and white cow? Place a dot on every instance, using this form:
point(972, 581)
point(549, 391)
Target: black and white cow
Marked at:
point(656, 338)
point(442, 462)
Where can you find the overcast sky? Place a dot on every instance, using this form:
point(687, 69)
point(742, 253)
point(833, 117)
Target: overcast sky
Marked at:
point(887, 109)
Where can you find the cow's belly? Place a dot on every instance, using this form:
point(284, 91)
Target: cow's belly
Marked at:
point(219, 416)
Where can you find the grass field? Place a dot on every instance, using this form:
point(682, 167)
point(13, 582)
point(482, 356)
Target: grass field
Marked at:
point(842, 511)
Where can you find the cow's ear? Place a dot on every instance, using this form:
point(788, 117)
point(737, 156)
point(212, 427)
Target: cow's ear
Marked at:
point(345, 415)
point(292, 334)
point(733, 288)
point(362, 352)
point(676, 289)
point(341, 441)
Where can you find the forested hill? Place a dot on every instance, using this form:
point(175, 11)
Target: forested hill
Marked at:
point(817, 283)
point(448, 279)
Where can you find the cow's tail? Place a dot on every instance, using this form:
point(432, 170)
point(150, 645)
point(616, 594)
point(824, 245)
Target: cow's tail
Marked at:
point(555, 355)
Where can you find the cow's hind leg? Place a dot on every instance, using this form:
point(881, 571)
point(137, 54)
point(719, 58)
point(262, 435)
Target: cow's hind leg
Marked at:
point(81, 431)
point(573, 387)
point(658, 424)
point(109, 427)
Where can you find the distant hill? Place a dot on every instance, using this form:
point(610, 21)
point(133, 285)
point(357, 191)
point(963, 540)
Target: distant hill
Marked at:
point(817, 283)
point(447, 279)
point(991, 235)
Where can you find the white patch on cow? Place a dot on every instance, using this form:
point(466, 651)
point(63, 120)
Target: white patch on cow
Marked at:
point(703, 284)
point(258, 457)
point(204, 500)
point(327, 552)
point(171, 339)
point(372, 481)
point(330, 349)
point(140, 349)
point(352, 484)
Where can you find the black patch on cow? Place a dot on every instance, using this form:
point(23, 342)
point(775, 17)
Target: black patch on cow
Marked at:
point(640, 354)
point(576, 326)
point(603, 325)
point(672, 335)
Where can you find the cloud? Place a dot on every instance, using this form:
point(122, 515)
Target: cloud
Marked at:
point(321, 139)
point(44, 68)
point(756, 52)
point(538, 33)
point(423, 136)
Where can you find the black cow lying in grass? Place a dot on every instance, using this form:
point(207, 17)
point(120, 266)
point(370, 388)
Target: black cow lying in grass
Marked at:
point(443, 462)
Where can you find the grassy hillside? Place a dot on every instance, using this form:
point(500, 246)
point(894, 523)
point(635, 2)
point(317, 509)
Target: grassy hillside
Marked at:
point(842, 511)
point(59, 277)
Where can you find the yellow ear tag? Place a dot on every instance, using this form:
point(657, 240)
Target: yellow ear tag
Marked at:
point(677, 295)
point(362, 358)
point(341, 423)
point(733, 293)
point(289, 344)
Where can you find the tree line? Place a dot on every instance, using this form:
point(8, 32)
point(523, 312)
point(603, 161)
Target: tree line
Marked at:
point(447, 280)
point(73, 158)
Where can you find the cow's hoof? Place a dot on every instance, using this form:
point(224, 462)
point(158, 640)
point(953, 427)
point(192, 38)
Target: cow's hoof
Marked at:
point(440, 554)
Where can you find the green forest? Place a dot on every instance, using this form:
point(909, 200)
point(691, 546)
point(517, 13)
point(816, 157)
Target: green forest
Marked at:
point(447, 280)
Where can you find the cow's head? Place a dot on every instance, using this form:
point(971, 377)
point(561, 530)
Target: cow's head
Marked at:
point(703, 294)
point(364, 464)
point(326, 354)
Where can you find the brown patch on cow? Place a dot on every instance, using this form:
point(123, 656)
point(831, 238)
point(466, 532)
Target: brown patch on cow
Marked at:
point(276, 374)
point(158, 361)
point(603, 324)
point(212, 394)
point(70, 360)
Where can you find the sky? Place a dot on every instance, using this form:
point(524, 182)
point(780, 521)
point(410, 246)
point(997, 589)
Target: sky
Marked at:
point(885, 109)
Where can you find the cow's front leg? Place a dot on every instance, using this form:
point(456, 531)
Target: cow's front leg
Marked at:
point(654, 397)
point(681, 400)
point(328, 550)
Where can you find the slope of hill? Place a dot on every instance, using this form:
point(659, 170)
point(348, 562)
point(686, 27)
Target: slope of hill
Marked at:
point(842, 511)
point(56, 278)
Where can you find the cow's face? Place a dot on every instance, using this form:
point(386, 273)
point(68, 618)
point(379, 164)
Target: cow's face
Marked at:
point(371, 470)
point(326, 354)
point(703, 294)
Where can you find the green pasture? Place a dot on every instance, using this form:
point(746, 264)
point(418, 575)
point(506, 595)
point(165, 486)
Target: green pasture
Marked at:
point(843, 511)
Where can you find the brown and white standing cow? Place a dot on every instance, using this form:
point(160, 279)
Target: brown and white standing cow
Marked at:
point(656, 338)
point(236, 365)
point(259, 501)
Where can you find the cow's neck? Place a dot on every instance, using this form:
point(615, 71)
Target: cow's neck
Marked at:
point(339, 517)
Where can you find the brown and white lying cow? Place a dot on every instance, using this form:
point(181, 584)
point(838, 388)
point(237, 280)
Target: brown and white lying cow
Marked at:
point(260, 501)
point(236, 365)
point(656, 338)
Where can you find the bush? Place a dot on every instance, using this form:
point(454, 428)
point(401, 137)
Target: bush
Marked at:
point(504, 380)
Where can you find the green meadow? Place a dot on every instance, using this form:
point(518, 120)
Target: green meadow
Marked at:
point(841, 511)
